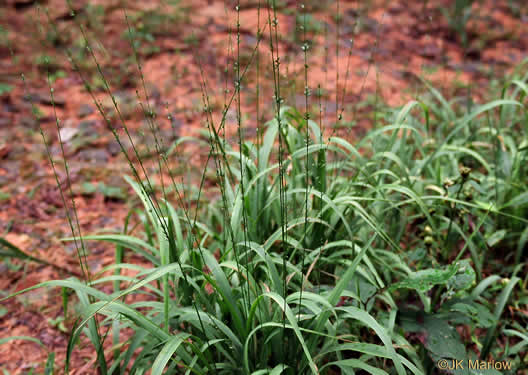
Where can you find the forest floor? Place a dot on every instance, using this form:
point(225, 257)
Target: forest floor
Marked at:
point(367, 54)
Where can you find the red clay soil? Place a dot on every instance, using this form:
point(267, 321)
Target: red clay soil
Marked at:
point(383, 49)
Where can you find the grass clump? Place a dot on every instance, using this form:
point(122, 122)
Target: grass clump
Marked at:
point(316, 254)
point(379, 246)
